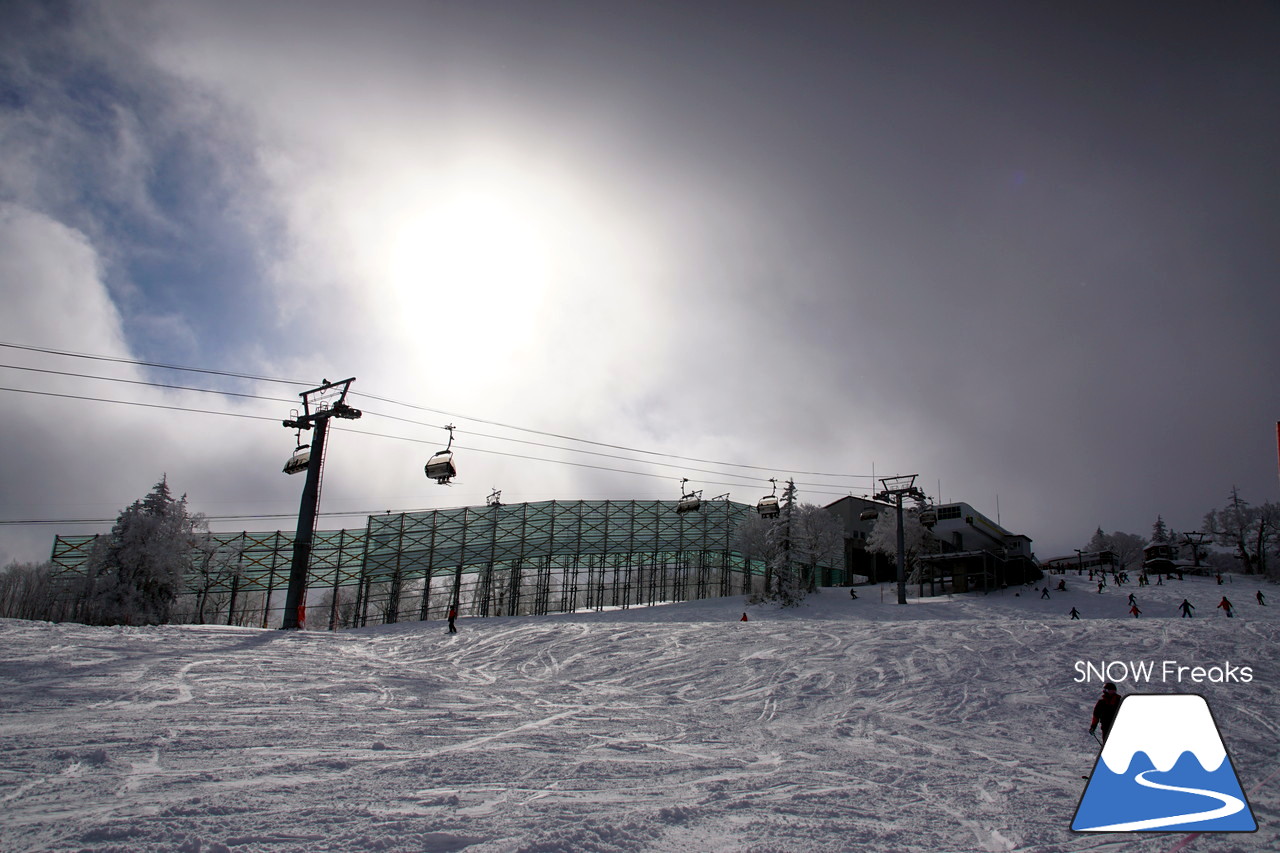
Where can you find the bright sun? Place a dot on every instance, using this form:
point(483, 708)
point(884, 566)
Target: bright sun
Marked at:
point(468, 265)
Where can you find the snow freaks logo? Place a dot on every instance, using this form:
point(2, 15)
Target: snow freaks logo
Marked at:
point(1169, 671)
point(1164, 769)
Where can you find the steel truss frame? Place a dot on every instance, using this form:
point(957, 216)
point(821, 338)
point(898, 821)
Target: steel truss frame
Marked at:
point(500, 560)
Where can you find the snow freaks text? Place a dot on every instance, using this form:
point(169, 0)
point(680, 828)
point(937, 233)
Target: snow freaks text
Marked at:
point(1167, 672)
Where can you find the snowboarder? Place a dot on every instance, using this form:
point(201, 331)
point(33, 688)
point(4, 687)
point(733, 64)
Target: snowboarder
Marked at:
point(1075, 614)
point(1186, 607)
point(1226, 607)
point(1135, 611)
point(1045, 593)
point(453, 615)
point(853, 593)
point(1261, 600)
point(1105, 709)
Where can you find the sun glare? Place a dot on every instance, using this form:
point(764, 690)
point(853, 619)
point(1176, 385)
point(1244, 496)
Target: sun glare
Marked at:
point(469, 267)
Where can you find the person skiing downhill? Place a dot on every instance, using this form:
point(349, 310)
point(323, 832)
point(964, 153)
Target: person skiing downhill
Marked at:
point(453, 615)
point(1186, 607)
point(1075, 614)
point(1135, 611)
point(1261, 600)
point(1105, 709)
point(1133, 602)
point(1226, 607)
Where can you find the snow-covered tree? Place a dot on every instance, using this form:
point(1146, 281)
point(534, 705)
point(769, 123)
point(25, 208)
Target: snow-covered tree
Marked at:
point(136, 572)
point(788, 587)
point(792, 546)
point(884, 536)
point(1126, 546)
point(1160, 533)
point(817, 538)
point(1248, 531)
point(28, 591)
point(1099, 542)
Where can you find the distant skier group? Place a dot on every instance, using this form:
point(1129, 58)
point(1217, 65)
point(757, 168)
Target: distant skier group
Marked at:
point(1186, 607)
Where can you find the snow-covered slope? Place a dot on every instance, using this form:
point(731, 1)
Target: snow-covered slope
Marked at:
point(945, 725)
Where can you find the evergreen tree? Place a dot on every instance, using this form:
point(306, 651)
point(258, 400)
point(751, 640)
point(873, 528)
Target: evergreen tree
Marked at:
point(792, 546)
point(788, 583)
point(1160, 532)
point(136, 573)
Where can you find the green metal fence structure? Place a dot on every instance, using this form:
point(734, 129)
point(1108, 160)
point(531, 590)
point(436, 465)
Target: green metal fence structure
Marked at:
point(502, 560)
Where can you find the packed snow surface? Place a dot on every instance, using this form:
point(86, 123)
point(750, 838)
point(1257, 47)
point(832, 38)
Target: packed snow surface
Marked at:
point(948, 724)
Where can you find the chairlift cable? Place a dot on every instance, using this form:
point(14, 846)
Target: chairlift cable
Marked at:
point(295, 383)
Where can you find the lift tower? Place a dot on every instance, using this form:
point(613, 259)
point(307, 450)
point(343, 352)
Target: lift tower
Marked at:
point(318, 405)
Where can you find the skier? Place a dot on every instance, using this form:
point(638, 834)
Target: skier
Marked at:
point(1075, 614)
point(1045, 593)
point(1261, 600)
point(1105, 709)
point(1159, 580)
point(853, 594)
point(1133, 602)
point(1135, 611)
point(1219, 576)
point(1226, 607)
point(1186, 607)
point(453, 614)
point(1062, 586)
point(744, 618)
point(1101, 584)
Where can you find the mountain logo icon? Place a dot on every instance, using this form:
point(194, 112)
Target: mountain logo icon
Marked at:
point(1164, 769)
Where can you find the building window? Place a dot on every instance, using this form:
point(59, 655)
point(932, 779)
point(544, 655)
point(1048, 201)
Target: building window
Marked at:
point(948, 512)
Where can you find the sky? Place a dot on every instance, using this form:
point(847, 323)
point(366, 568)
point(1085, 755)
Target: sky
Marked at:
point(1025, 251)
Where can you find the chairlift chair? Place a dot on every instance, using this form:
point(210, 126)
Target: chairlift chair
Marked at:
point(768, 505)
point(299, 461)
point(868, 515)
point(440, 466)
point(928, 517)
point(689, 503)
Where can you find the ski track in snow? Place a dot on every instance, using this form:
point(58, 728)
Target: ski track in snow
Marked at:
point(943, 726)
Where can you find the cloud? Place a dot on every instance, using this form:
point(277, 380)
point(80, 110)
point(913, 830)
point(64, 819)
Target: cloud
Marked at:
point(840, 243)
